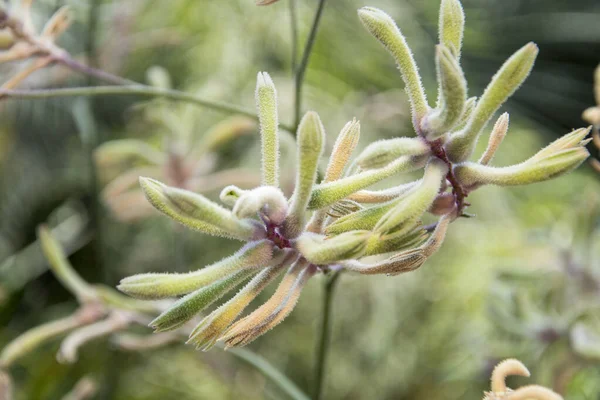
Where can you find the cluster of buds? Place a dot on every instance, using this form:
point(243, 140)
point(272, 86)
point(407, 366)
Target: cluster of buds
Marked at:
point(501, 392)
point(592, 116)
point(348, 222)
point(21, 41)
point(102, 312)
point(184, 162)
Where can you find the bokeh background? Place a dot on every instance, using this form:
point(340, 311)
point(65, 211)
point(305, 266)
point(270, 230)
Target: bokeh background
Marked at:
point(506, 283)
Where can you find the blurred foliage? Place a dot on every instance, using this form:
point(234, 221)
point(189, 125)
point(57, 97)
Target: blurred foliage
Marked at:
point(432, 334)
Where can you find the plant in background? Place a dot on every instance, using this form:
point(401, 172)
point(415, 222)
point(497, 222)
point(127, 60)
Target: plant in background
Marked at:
point(186, 162)
point(592, 116)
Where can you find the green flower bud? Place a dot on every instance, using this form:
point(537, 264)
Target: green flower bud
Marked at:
point(162, 285)
point(381, 25)
point(196, 212)
point(407, 212)
point(452, 96)
point(451, 26)
point(380, 196)
point(506, 81)
point(311, 140)
point(266, 104)
point(466, 114)
point(208, 331)
point(326, 194)
point(342, 150)
point(323, 251)
point(188, 306)
point(382, 152)
point(230, 194)
point(265, 199)
point(496, 137)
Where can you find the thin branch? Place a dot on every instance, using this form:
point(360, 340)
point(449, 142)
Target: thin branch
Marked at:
point(304, 63)
point(133, 90)
point(294, 33)
point(324, 335)
point(270, 372)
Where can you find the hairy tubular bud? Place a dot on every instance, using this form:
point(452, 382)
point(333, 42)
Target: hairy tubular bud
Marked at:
point(230, 195)
point(311, 140)
point(342, 150)
point(382, 152)
point(451, 26)
point(452, 95)
point(265, 199)
point(382, 26)
point(266, 104)
point(196, 212)
point(162, 285)
point(496, 137)
point(322, 251)
point(506, 81)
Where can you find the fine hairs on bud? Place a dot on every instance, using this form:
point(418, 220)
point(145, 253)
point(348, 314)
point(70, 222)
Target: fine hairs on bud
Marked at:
point(342, 150)
point(311, 140)
point(382, 152)
point(451, 26)
point(496, 137)
point(268, 200)
point(384, 29)
point(499, 390)
point(266, 105)
point(320, 251)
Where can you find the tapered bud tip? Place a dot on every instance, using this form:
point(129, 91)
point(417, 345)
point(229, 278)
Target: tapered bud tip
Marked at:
point(311, 133)
point(373, 17)
point(264, 81)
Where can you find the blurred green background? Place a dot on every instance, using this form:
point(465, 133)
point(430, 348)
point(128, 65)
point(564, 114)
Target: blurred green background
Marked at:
point(506, 283)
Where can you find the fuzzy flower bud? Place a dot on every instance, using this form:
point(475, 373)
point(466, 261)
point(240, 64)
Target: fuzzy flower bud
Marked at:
point(268, 200)
point(382, 152)
point(266, 104)
point(451, 26)
point(322, 251)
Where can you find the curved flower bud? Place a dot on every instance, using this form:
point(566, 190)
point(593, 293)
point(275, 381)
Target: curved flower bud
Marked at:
point(342, 150)
point(230, 194)
point(382, 26)
point(382, 152)
point(380, 196)
point(223, 133)
point(381, 244)
point(405, 215)
point(504, 369)
point(208, 331)
point(496, 137)
point(266, 104)
point(326, 194)
point(506, 81)
point(162, 285)
point(197, 212)
point(311, 140)
point(190, 305)
point(452, 95)
point(322, 251)
point(274, 311)
point(451, 26)
point(267, 199)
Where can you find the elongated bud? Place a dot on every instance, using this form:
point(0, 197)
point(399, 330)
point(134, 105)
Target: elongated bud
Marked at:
point(506, 81)
point(474, 175)
point(507, 368)
point(343, 208)
point(382, 152)
point(342, 150)
point(402, 217)
point(575, 139)
point(274, 311)
point(124, 151)
point(382, 244)
point(466, 114)
point(452, 26)
point(323, 251)
point(268, 200)
point(311, 139)
point(62, 269)
point(496, 137)
point(381, 25)
point(196, 212)
point(326, 194)
point(190, 305)
point(266, 104)
point(162, 285)
point(452, 95)
point(534, 392)
point(208, 331)
point(363, 219)
point(381, 196)
point(230, 194)
point(60, 22)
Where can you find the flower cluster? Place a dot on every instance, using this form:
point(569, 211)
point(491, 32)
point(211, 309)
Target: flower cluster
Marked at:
point(348, 222)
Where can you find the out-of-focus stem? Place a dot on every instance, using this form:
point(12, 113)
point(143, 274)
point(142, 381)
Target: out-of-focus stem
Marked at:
point(294, 33)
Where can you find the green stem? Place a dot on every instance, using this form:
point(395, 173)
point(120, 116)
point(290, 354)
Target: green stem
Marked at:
point(294, 34)
point(270, 372)
point(324, 335)
point(133, 90)
point(301, 71)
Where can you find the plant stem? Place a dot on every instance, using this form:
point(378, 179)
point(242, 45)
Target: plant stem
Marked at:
point(270, 372)
point(300, 72)
point(133, 90)
point(324, 335)
point(294, 34)
point(92, 72)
